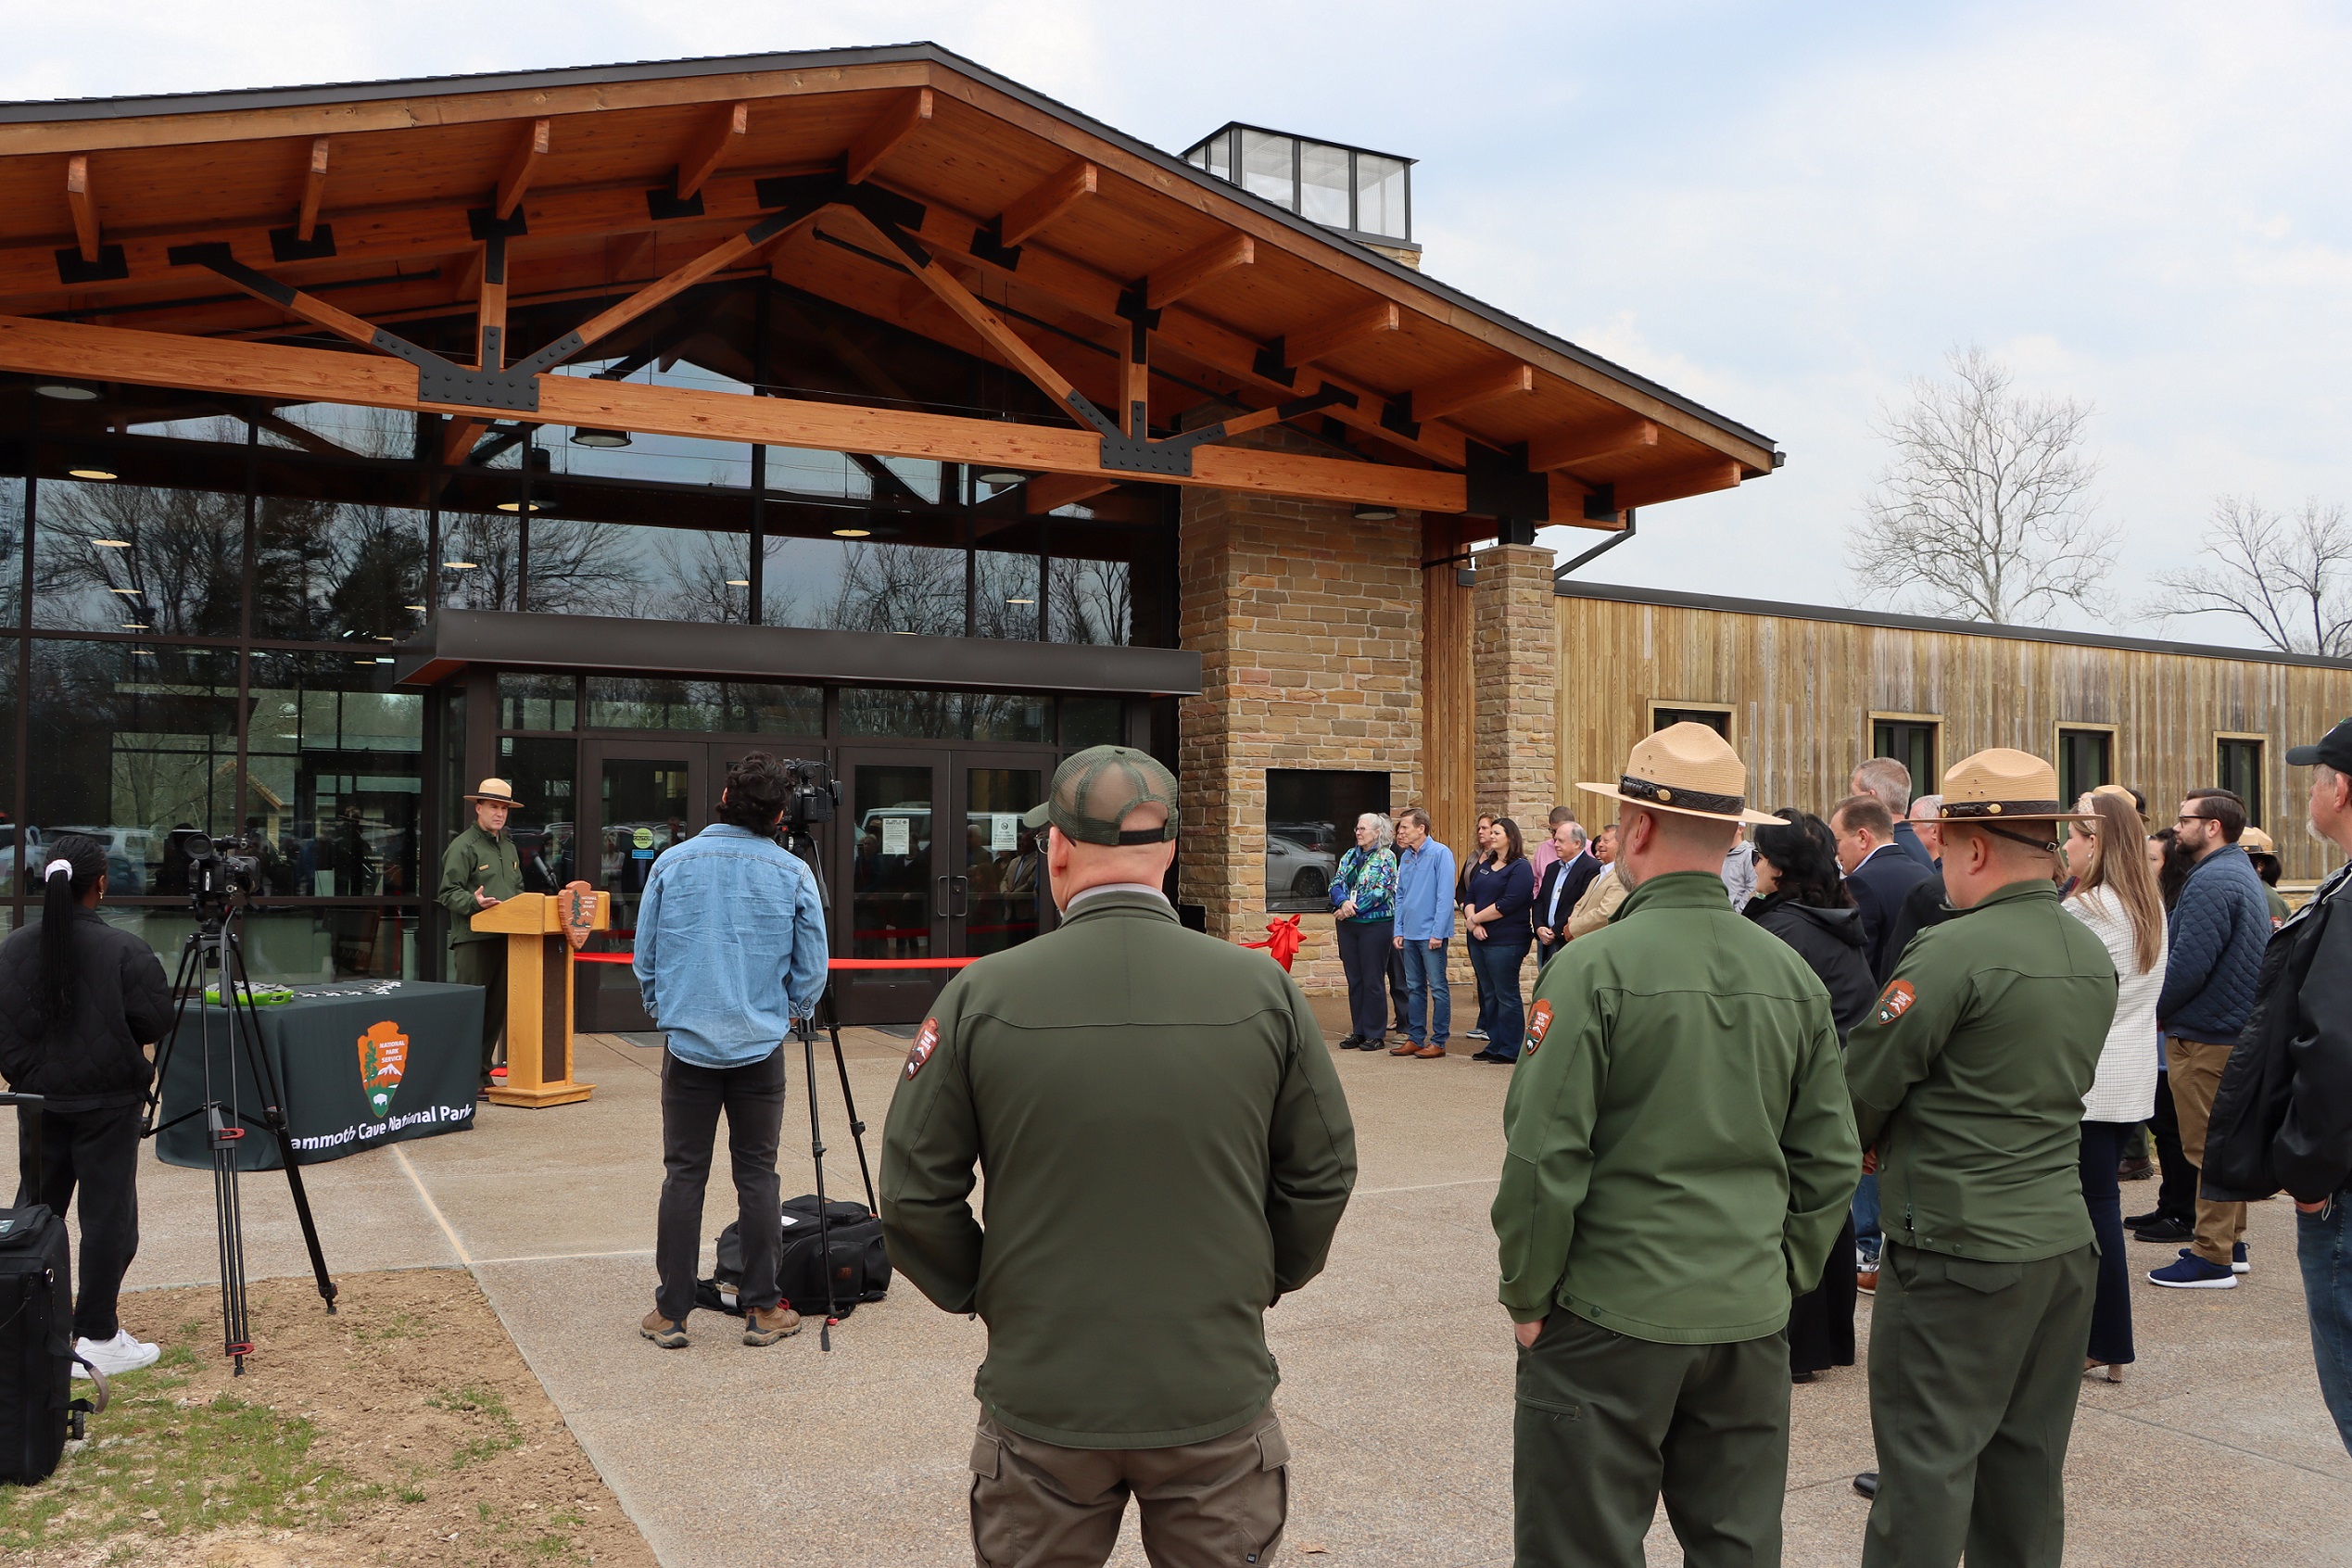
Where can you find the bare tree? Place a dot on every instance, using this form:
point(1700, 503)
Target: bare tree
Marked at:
point(1984, 513)
point(2290, 577)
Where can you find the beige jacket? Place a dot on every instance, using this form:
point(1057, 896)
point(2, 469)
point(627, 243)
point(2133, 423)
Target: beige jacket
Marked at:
point(1595, 905)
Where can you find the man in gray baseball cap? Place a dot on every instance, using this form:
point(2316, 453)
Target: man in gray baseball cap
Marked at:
point(1168, 1154)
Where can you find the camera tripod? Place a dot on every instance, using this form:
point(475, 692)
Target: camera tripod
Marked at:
point(213, 946)
point(801, 844)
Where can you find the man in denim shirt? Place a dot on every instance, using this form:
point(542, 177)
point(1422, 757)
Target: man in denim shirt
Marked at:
point(1424, 924)
point(730, 949)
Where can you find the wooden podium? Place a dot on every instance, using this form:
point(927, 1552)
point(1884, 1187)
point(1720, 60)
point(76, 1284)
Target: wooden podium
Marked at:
point(538, 999)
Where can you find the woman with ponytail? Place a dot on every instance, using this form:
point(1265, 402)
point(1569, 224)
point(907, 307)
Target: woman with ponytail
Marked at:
point(78, 1002)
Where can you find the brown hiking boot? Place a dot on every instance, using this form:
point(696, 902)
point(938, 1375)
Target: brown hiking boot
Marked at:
point(661, 1332)
point(765, 1326)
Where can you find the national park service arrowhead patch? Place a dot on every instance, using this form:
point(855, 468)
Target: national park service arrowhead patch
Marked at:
point(383, 1056)
point(926, 1041)
point(1539, 1025)
point(1895, 1000)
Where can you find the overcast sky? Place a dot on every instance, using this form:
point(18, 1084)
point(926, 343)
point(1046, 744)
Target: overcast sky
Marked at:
point(1782, 211)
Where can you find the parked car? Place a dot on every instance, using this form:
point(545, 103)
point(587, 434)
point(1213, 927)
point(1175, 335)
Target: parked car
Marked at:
point(1297, 876)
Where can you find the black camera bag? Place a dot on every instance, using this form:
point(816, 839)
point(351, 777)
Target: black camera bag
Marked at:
point(37, 1411)
point(860, 1265)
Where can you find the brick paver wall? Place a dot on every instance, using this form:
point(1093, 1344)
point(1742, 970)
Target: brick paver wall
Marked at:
point(1308, 628)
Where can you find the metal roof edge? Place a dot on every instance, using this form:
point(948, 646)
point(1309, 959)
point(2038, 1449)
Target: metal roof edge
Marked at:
point(1675, 600)
point(40, 110)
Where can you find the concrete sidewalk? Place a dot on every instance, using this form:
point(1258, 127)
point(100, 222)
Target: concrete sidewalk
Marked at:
point(1396, 1365)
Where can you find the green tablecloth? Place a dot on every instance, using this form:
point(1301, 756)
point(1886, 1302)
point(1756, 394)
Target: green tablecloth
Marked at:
point(361, 1063)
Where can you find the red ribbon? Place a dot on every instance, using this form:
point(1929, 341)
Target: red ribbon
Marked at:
point(1283, 940)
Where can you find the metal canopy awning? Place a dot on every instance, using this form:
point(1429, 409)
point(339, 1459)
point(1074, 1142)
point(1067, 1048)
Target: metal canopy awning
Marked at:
point(610, 645)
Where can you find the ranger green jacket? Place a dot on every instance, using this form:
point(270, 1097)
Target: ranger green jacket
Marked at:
point(1969, 1076)
point(1681, 1151)
point(475, 859)
point(1167, 1152)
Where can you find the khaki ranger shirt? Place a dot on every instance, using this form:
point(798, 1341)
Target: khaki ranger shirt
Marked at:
point(475, 859)
point(1167, 1151)
point(1681, 1153)
point(1970, 1076)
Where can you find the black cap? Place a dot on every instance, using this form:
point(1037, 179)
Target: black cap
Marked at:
point(2335, 749)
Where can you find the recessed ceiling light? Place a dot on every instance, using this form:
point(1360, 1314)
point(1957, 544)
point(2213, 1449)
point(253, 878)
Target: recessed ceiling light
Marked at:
point(418, 608)
point(1021, 602)
point(68, 391)
point(1003, 478)
point(127, 594)
point(143, 652)
point(367, 663)
point(455, 567)
point(521, 506)
point(137, 626)
point(586, 438)
point(852, 533)
point(1370, 514)
point(738, 582)
point(91, 471)
point(388, 639)
point(113, 544)
point(384, 658)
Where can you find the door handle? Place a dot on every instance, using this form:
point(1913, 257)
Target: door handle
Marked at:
point(942, 897)
point(962, 889)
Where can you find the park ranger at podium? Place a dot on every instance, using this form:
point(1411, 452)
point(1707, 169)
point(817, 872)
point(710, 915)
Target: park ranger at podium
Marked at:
point(480, 870)
point(1968, 1080)
point(1680, 1156)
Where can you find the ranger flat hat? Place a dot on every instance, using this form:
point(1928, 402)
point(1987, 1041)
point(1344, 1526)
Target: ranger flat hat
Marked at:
point(1688, 769)
point(1094, 789)
point(2253, 840)
point(2001, 785)
point(497, 792)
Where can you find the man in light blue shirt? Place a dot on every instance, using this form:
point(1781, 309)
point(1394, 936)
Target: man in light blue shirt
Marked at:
point(730, 949)
point(1425, 925)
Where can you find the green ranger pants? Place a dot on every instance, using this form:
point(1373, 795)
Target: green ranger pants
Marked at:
point(1973, 1371)
point(484, 963)
point(1606, 1423)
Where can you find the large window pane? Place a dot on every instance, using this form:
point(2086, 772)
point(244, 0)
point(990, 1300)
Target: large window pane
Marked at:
point(1266, 166)
point(538, 701)
point(864, 586)
point(1322, 183)
point(481, 564)
point(872, 713)
point(545, 773)
point(131, 741)
point(14, 520)
point(334, 759)
point(1380, 197)
point(1090, 602)
point(375, 942)
point(1006, 589)
point(1310, 821)
point(109, 556)
point(340, 550)
point(734, 707)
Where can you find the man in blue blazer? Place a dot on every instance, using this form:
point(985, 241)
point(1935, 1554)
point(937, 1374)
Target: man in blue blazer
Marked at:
point(1565, 882)
point(1878, 873)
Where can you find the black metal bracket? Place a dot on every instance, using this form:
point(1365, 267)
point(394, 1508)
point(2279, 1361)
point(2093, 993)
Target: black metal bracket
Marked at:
point(287, 243)
point(1271, 365)
point(110, 265)
point(1601, 503)
point(484, 223)
point(1497, 485)
point(1397, 414)
point(1612, 542)
point(1174, 456)
point(988, 245)
point(663, 203)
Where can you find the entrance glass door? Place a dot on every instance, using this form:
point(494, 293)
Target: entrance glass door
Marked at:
point(997, 892)
point(896, 869)
point(641, 801)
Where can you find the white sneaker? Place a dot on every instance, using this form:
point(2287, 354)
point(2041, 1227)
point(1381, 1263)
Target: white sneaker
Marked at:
point(115, 1355)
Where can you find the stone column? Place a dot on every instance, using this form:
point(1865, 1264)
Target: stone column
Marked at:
point(1515, 660)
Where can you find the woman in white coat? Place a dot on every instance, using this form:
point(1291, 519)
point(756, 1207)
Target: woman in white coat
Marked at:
point(2114, 895)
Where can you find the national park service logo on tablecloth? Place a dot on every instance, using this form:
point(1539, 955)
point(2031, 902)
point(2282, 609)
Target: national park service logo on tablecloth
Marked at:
point(383, 1056)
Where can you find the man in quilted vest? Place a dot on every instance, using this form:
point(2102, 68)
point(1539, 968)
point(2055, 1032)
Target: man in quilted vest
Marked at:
point(2218, 932)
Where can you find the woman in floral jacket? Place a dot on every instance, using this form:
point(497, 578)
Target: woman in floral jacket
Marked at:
point(1363, 892)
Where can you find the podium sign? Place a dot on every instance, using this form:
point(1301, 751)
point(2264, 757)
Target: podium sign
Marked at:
point(539, 942)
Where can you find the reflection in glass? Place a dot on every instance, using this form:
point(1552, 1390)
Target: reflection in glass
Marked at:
point(1266, 166)
point(1322, 183)
point(295, 946)
point(544, 823)
point(1002, 865)
point(1310, 821)
point(538, 701)
point(1380, 197)
point(12, 525)
point(1090, 602)
point(863, 586)
point(109, 557)
point(1008, 715)
point(327, 571)
point(130, 742)
point(881, 712)
point(1004, 599)
point(343, 754)
point(645, 813)
point(890, 863)
point(1090, 721)
point(751, 707)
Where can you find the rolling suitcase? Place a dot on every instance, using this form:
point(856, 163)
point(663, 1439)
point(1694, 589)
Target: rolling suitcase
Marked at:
point(37, 1411)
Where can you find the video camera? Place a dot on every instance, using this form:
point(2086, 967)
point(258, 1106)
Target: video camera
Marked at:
point(220, 870)
point(815, 794)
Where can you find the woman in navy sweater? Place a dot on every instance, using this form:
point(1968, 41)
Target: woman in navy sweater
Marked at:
point(1502, 898)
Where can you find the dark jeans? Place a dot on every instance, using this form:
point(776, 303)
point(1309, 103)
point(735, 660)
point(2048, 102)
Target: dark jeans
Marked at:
point(752, 1096)
point(1364, 948)
point(1396, 979)
point(2323, 1246)
point(97, 1152)
point(2111, 1313)
point(1426, 987)
point(1500, 1009)
point(1821, 1321)
point(2177, 1192)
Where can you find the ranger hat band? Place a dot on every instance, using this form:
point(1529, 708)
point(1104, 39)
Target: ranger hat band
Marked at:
point(1096, 789)
point(2335, 749)
point(497, 791)
point(1690, 770)
point(2001, 786)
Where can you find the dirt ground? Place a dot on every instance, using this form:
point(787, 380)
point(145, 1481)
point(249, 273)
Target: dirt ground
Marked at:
point(406, 1428)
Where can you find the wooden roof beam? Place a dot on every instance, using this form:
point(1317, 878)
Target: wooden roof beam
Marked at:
point(1196, 269)
point(516, 177)
point(1472, 388)
point(1049, 492)
point(1340, 333)
point(1588, 443)
point(894, 126)
point(1045, 201)
point(314, 178)
point(1720, 474)
point(712, 145)
point(85, 205)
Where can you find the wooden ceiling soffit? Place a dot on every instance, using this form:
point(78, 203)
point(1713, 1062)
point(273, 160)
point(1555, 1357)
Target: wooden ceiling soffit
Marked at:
point(880, 139)
point(1287, 353)
point(1196, 269)
point(720, 138)
point(1048, 492)
point(1472, 388)
point(1719, 474)
point(1042, 203)
point(1590, 443)
point(292, 373)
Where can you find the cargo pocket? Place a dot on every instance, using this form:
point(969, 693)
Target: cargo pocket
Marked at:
point(988, 1456)
point(1268, 1506)
point(996, 1533)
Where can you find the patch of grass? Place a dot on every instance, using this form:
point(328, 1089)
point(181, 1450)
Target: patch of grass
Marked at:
point(483, 1407)
point(157, 1467)
point(404, 1325)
